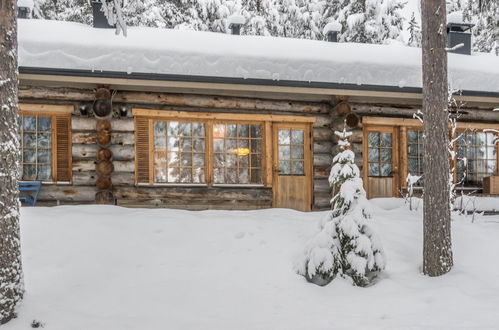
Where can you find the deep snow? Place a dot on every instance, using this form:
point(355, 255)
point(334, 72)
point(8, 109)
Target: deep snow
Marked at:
point(104, 267)
point(67, 45)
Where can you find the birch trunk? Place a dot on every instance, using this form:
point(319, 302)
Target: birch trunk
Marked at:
point(11, 277)
point(437, 251)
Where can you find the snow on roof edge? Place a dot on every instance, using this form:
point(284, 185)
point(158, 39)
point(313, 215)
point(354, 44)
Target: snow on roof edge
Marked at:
point(73, 46)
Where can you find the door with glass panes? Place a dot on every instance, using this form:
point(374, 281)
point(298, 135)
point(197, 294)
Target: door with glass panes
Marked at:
point(292, 186)
point(381, 164)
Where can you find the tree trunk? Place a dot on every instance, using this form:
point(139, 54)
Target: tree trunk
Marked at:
point(11, 277)
point(437, 259)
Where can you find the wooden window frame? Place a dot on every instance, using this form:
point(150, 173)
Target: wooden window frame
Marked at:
point(54, 112)
point(401, 126)
point(209, 119)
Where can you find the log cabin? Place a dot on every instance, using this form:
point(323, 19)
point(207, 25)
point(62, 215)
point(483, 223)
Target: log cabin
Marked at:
point(199, 120)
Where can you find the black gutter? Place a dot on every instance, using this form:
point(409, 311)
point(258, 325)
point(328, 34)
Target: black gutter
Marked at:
point(229, 80)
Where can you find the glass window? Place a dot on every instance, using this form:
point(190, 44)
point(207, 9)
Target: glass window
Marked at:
point(291, 152)
point(415, 151)
point(380, 154)
point(237, 153)
point(179, 152)
point(36, 148)
point(476, 157)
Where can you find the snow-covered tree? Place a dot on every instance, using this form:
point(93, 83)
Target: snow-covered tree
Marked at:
point(485, 15)
point(414, 33)
point(370, 21)
point(11, 275)
point(345, 244)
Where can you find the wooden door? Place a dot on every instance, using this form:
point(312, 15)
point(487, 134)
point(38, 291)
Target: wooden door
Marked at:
point(381, 168)
point(292, 184)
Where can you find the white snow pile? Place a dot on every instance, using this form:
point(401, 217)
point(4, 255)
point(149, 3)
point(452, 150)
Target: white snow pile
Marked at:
point(26, 3)
point(332, 27)
point(235, 19)
point(66, 45)
point(110, 268)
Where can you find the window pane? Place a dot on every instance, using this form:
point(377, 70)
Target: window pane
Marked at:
point(29, 156)
point(29, 172)
point(256, 131)
point(198, 175)
point(256, 176)
point(185, 129)
point(198, 160)
point(386, 139)
point(29, 123)
point(386, 155)
point(297, 136)
point(44, 124)
point(231, 130)
point(29, 140)
point(284, 167)
point(374, 155)
point(173, 128)
point(373, 169)
point(160, 141)
point(173, 143)
point(44, 156)
point(297, 152)
point(243, 175)
point(243, 131)
point(159, 128)
point(284, 152)
point(218, 175)
point(256, 160)
point(373, 139)
point(198, 129)
point(284, 136)
point(44, 172)
point(386, 169)
point(173, 174)
point(297, 168)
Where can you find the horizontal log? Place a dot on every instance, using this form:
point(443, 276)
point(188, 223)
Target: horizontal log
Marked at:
point(322, 121)
point(89, 166)
point(323, 147)
point(121, 152)
point(83, 124)
point(91, 138)
point(67, 193)
point(122, 125)
point(321, 172)
point(323, 160)
point(322, 134)
point(122, 138)
point(84, 151)
point(196, 205)
point(190, 193)
point(322, 201)
point(90, 178)
point(169, 99)
point(124, 166)
point(321, 185)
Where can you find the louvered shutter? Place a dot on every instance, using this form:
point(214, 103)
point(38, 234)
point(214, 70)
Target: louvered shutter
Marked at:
point(142, 155)
point(63, 148)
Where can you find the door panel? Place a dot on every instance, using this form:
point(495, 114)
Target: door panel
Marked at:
point(292, 186)
point(381, 161)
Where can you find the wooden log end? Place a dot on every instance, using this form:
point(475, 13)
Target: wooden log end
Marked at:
point(103, 183)
point(103, 138)
point(104, 197)
point(104, 154)
point(103, 125)
point(104, 168)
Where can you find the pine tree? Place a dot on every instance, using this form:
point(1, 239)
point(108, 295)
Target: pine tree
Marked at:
point(345, 245)
point(485, 15)
point(11, 275)
point(414, 33)
point(370, 21)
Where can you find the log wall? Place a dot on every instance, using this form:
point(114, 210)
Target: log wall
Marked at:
point(85, 148)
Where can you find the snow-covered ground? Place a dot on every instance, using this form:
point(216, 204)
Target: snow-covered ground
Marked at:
point(104, 267)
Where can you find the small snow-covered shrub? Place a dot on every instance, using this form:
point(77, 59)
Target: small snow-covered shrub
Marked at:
point(345, 245)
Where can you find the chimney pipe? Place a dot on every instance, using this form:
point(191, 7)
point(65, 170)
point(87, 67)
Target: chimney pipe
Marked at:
point(458, 34)
point(25, 8)
point(235, 22)
point(331, 31)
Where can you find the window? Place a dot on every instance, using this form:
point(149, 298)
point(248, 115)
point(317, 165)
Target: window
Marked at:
point(379, 154)
point(237, 153)
point(190, 151)
point(179, 152)
point(291, 152)
point(415, 151)
point(45, 143)
point(36, 148)
point(476, 157)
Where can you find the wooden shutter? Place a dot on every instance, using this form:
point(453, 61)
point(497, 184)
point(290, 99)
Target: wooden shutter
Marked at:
point(63, 148)
point(142, 154)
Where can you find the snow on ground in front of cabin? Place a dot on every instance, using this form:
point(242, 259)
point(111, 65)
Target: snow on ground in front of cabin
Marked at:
point(104, 267)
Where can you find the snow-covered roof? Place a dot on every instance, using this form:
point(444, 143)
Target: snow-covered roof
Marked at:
point(72, 46)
